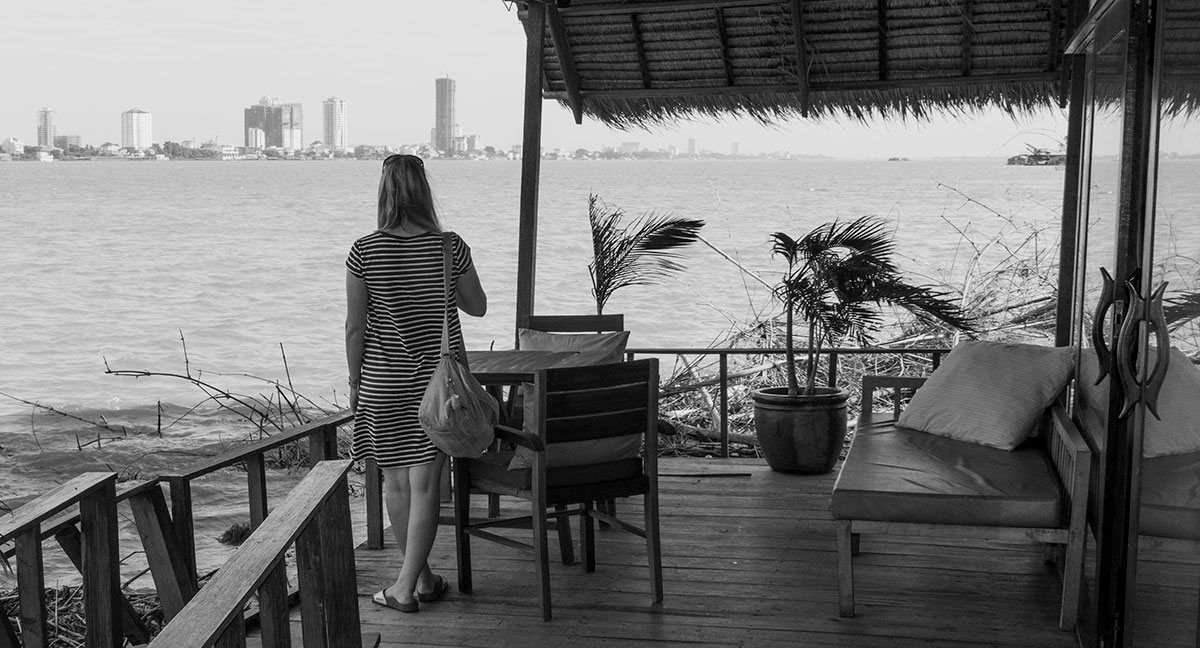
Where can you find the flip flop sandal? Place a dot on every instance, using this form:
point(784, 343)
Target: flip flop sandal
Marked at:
point(386, 600)
point(438, 592)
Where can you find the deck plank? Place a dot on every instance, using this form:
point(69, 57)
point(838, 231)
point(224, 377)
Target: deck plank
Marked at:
point(748, 560)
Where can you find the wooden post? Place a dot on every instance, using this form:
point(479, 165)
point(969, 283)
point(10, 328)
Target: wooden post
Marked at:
point(31, 588)
point(374, 488)
point(168, 564)
point(101, 560)
point(181, 513)
point(531, 157)
point(310, 573)
point(273, 594)
point(71, 542)
point(343, 626)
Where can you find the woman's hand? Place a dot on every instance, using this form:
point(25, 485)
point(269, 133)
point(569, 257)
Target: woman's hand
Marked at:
point(354, 397)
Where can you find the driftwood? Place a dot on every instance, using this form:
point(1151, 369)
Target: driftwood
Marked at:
point(705, 434)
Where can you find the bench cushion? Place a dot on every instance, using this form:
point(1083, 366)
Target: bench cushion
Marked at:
point(897, 474)
point(493, 466)
point(1171, 496)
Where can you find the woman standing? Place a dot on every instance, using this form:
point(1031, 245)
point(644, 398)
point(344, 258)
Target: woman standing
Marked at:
point(396, 304)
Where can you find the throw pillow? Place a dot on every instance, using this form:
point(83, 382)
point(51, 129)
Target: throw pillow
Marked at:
point(572, 453)
point(605, 347)
point(1177, 431)
point(990, 393)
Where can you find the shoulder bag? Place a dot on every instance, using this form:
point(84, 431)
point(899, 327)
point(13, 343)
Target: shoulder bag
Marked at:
point(456, 411)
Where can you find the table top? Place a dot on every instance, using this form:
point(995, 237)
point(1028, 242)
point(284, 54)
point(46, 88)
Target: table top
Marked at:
point(514, 366)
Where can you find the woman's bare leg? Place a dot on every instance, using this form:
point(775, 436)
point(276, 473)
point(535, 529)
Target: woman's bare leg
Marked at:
point(413, 499)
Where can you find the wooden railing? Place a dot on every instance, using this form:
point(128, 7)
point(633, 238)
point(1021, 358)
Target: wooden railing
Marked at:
point(723, 376)
point(95, 493)
point(273, 595)
point(315, 516)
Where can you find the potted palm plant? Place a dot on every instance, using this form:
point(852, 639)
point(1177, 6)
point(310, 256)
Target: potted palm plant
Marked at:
point(838, 277)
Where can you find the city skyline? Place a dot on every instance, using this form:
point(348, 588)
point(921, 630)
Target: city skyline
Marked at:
point(381, 58)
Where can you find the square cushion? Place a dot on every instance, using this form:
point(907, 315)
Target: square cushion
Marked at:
point(602, 348)
point(1176, 431)
point(895, 474)
point(572, 453)
point(989, 393)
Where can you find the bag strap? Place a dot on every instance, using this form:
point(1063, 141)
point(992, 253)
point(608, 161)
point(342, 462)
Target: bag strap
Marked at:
point(447, 252)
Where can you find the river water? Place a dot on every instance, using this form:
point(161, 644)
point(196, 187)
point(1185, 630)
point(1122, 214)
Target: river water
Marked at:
point(119, 265)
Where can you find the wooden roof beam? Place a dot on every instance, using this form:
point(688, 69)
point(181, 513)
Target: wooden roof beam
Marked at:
point(558, 36)
point(801, 56)
point(968, 35)
point(1054, 37)
point(881, 13)
point(581, 8)
point(724, 47)
point(839, 86)
point(643, 64)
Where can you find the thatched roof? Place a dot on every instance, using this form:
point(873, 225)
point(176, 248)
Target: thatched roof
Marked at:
point(650, 62)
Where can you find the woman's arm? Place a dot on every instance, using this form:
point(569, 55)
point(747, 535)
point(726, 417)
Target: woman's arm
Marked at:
point(469, 294)
point(356, 327)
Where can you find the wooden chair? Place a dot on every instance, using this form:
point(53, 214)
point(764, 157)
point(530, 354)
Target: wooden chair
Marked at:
point(562, 324)
point(574, 404)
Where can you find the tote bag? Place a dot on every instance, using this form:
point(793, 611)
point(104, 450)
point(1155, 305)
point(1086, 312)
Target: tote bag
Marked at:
point(457, 413)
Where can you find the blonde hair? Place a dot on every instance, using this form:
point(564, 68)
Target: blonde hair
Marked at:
point(404, 195)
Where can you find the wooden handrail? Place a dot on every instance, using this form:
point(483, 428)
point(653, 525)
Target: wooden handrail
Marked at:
point(322, 435)
point(325, 558)
point(95, 495)
point(723, 374)
point(239, 454)
point(45, 506)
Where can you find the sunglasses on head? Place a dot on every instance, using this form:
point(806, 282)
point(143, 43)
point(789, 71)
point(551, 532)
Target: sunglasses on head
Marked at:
point(392, 158)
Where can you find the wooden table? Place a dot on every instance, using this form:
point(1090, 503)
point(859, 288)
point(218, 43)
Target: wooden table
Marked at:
point(513, 367)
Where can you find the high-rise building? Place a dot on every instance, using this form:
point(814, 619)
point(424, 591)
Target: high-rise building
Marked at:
point(136, 129)
point(444, 126)
point(335, 123)
point(270, 123)
point(291, 124)
point(45, 127)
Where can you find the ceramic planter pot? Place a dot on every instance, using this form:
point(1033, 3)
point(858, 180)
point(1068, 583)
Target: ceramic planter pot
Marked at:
point(800, 434)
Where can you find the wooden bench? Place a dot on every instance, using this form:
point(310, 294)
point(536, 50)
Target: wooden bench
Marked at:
point(897, 481)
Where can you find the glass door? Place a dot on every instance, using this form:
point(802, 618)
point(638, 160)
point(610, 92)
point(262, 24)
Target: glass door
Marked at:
point(1165, 578)
point(1101, 270)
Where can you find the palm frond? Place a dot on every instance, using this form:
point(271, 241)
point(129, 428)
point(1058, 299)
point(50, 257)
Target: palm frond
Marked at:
point(641, 253)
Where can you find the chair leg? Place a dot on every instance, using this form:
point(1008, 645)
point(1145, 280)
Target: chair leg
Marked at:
point(653, 543)
point(541, 557)
point(845, 568)
point(587, 538)
point(493, 505)
point(608, 507)
point(565, 546)
point(1072, 580)
point(462, 520)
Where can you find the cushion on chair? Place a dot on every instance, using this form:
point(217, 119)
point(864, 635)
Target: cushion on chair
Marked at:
point(494, 466)
point(902, 475)
point(573, 453)
point(989, 393)
point(1176, 431)
point(605, 347)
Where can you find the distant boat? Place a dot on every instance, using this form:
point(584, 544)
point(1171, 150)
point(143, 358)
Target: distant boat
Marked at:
point(1037, 157)
point(897, 159)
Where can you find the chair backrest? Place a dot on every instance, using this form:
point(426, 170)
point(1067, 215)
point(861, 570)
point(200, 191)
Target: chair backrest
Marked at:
point(598, 402)
point(577, 323)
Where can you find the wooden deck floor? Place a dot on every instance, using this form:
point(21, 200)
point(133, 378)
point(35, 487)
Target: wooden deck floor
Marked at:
point(749, 560)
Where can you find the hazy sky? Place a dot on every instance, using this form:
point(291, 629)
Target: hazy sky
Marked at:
point(196, 66)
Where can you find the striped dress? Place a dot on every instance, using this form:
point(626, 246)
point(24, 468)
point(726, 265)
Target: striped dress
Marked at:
point(405, 306)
